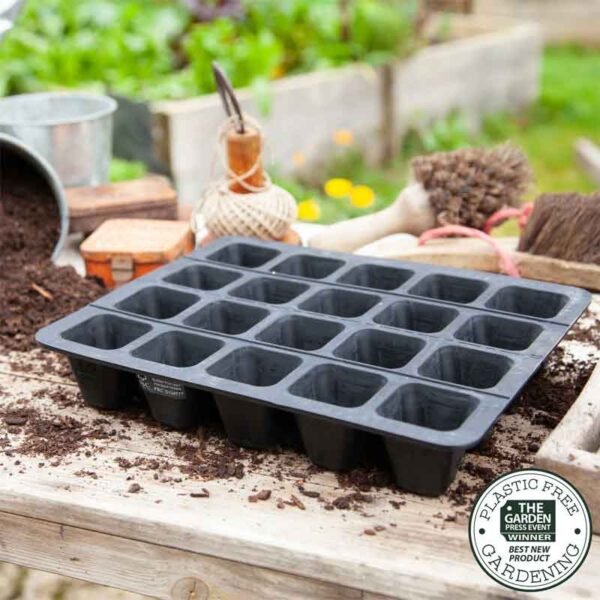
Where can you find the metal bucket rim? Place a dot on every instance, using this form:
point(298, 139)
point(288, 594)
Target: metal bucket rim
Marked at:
point(110, 108)
point(54, 182)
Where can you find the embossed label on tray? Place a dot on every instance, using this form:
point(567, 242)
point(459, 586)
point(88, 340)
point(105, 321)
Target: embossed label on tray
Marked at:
point(164, 387)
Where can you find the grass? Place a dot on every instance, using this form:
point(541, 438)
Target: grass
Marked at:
point(123, 170)
point(568, 108)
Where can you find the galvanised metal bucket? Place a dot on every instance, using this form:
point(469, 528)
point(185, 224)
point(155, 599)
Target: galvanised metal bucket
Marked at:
point(71, 130)
point(34, 161)
point(9, 10)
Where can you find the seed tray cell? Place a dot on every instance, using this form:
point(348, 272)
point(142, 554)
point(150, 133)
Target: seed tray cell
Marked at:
point(347, 355)
point(459, 287)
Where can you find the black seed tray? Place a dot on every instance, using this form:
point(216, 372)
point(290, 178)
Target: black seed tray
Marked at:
point(346, 353)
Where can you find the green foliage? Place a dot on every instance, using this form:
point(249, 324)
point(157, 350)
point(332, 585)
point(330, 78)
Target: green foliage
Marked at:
point(149, 49)
point(381, 30)
point(246, 58)
point(309, 32)
point(570, 90)
point(121, 45)
point(124, 170)
point(349, 164)
point(442, 136)
point(277, 37)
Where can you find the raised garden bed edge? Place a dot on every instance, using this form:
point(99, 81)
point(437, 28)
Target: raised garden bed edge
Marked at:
point(494, 69)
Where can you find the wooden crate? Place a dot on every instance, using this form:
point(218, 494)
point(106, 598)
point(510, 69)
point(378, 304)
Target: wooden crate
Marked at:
point(150, 197)
point(494, 68)
point(573, 448)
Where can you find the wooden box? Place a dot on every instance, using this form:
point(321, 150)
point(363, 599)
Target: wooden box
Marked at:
point(122, 249)
point(573, 448)
point(151, 197)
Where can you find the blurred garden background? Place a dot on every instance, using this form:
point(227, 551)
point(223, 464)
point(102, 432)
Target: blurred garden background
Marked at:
point(158, 49)
point(151, 50)
point(567, 109)
point(158, 53)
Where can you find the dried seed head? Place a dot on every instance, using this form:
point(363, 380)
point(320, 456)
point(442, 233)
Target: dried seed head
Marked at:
point(564, 226)
point(468, 185)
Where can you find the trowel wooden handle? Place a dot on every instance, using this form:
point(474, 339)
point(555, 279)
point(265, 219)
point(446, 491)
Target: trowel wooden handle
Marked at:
point(243, 154)
point(347, 236)
point(411, 212)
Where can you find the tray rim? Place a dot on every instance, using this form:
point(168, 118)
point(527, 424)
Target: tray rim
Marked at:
point(472, 430)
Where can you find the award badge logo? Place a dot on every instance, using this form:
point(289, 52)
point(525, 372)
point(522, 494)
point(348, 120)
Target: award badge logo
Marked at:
point(530, 530)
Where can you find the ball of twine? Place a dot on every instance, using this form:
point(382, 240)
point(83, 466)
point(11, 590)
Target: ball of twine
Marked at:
point(265, 212)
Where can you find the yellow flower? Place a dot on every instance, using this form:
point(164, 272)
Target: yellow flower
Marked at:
point(277, 72)
point(343, 137)
point(299, 159)
point(362, 196)
point(338, 187)
point(309, 210)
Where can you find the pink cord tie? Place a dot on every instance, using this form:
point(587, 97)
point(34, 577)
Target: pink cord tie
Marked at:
point(505, 261)
point(522, 214)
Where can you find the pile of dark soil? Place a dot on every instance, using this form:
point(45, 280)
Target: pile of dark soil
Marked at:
point(33, 291)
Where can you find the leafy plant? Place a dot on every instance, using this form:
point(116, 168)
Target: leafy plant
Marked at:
point(150, 49)
point(121, 45)
point(246, 59)
point(381, 30)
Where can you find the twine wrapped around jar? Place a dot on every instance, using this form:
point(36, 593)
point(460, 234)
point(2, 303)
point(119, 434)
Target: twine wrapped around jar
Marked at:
point(264, 211)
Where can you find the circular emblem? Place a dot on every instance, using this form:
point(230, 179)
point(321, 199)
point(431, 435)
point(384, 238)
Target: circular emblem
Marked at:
point(530, 530)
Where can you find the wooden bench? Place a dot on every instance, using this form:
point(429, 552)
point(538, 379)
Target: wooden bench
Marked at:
point(78, 515)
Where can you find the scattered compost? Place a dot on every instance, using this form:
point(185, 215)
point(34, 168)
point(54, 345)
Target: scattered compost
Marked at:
point(33, 291)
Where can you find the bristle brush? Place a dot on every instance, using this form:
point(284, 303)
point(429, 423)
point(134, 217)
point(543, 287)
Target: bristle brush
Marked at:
point(565, 226)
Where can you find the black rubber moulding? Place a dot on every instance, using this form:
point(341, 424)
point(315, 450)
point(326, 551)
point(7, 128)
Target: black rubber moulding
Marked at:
point(346, 353)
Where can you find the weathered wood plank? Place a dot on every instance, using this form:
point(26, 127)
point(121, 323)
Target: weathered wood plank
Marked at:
point(561, 20)
point(496, 70)
point(572, 448)
point(471, 253)
point(588, 155)
point(150, 569)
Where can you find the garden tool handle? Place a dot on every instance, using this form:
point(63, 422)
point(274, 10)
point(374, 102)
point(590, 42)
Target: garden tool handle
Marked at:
point(230, 102)
point(244, 160)
point(347, 236)
point(409, 213)
point(244, 142)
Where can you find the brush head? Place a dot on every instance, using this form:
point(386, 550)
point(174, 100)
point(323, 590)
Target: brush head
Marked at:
point(565, 226)
point(466, 186)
